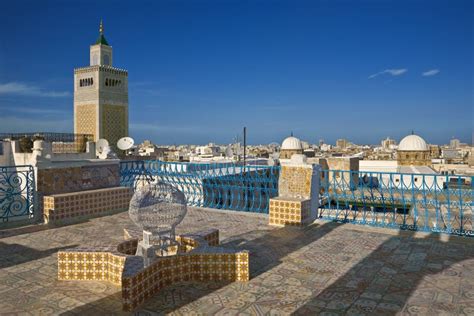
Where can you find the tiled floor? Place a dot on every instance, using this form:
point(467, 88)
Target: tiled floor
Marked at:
point(324, 269)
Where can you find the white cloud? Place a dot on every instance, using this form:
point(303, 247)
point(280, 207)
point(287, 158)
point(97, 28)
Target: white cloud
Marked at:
point(393, 72)
point(19, 88)
point(430, 73)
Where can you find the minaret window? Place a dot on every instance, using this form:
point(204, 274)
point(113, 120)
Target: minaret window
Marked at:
point(106, 60)
point(86, 82)
point(109, 82)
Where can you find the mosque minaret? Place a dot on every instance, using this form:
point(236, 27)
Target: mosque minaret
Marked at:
point(101, 95)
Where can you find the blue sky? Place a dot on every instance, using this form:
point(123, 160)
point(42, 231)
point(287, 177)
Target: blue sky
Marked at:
point(201, 70)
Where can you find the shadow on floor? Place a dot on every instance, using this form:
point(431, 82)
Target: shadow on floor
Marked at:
point(383, 282)
point(13, 254)
point(21, 230)
point(269, 247)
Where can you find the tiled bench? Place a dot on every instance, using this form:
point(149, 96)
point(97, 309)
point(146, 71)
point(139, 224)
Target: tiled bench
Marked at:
point(69, 207)
point(289, 211)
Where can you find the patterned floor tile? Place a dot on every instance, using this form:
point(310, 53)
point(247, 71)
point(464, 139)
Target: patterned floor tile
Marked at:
point(323, 269)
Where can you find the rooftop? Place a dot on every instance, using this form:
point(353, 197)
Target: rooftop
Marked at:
point(323, 267)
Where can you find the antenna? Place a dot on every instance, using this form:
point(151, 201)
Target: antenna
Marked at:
point(100, 146)
point(245, 144)
point(229, 153)
point(125, 143)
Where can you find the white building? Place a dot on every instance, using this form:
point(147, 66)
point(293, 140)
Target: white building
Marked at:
point(390, 173)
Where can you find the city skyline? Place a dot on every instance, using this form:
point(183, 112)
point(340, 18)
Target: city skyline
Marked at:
point(275, 68)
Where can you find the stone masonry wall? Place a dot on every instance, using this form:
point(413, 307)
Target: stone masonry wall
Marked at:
point(74, 179)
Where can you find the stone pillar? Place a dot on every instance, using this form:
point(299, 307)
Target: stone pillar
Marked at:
point(297, 202)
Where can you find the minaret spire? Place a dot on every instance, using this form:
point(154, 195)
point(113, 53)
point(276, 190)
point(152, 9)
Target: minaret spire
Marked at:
point(101, 28)
point(101, 39)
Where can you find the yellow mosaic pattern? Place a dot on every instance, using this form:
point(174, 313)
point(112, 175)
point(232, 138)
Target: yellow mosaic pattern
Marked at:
point(85, 120)
point(65, 207)
point(182, 268)
point(291, 212)
point(83, 265)
point(295, 181)
point(202, 263)
point(114, 123)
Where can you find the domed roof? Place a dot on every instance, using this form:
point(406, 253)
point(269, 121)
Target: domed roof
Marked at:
point(413, 143)
point(291, 143)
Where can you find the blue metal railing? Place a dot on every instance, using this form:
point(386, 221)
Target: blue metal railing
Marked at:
point(426, 202)
point(215, 185)
point(17, 191)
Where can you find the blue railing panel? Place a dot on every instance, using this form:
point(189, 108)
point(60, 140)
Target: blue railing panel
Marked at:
point(426, 202)
point(215, 185)
point(17, 191)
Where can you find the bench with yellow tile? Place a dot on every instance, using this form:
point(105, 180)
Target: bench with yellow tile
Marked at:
point(69, 207)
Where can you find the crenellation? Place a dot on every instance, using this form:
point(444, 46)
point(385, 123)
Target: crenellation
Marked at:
point(110, 69)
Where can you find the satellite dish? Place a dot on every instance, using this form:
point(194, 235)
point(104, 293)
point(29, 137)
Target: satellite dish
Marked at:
point(229, 152)
point(125, 143)
point(100, 146)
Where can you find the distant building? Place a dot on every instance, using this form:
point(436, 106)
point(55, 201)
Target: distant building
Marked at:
point(435, 151)
point(101, 95)
point(454, 143)
point(325, 147)
point(451, 155)
point(208, 151)
point(342, 143)
point(471, 157)
point(413, 151)
point(309, 152)
point(147, 148)
point(388, 143)
point(290, 146)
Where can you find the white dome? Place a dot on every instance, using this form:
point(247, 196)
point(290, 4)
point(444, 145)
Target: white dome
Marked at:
point(291, 143)
point(413, 143)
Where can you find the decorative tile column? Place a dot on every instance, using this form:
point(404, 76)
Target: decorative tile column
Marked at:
point(298, 193)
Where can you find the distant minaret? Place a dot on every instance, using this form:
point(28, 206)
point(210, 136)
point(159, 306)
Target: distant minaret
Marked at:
point(101, 95)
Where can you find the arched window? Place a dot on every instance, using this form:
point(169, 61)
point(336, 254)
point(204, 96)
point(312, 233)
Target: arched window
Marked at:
point(92, 81)
point(106, 82)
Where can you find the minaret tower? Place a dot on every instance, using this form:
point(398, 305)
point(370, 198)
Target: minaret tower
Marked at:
point(101, 95)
